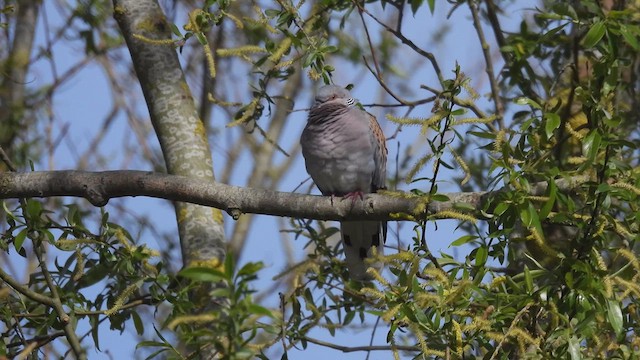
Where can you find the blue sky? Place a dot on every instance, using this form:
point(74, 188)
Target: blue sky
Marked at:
point(83, 102)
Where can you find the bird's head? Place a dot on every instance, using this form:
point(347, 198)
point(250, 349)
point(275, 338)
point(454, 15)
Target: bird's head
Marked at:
point(334, 94)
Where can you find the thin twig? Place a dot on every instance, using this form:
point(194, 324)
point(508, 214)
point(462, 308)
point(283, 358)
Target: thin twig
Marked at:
point(515, 321)
point(429, 56)
point(495, 90)
point(347, 349)
point(24, 290)
point(64, 318)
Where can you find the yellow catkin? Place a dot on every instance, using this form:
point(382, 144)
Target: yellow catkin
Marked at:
point(282, 48)
point(313, 74)
point(599, 260)
point(188, 319)
point(633, 260)
point(417, 167)
point(601, 226)
point(572, 132)
point(477, 324)
point(457, 291)
point(458, 333)
point(608, 286)
point(626, 186)
point(221, 102)
point(406, 120)
point(628, 286)
point(163, 42)
point(500, 137)
point(233, 18)
point(487, 120)
point(621, 230)
point(539, 240)
point(376, 275)
point(498, 281)
point(373, 293)
point(418, 334)
point(451, 214)
point(391, 313)
point(79, 270)
point(69, 244)
point(425, 300)
point(394, 350)
point(284, 64)
point(122, 298)
point(438, 274)
point(248, 112)
point(524, 336)
point(576, 160)
point(513, 161)
point(241, 50)
point(211, 62)
point(192, 25)
point(463, 166)
point(538, 198)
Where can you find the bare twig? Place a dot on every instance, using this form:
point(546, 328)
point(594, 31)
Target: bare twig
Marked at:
point(429, 56)
point(24, 290)
point(64, 318)
point(347, 349)
point(493, 82)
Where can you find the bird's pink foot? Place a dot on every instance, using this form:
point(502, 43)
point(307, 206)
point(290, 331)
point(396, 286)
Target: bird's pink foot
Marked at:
point(354, 195)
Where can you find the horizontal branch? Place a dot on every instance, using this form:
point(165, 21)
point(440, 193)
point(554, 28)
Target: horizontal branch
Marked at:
point(99, 187)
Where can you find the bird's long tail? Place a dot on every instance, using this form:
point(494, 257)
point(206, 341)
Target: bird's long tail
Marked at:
point(358, 238)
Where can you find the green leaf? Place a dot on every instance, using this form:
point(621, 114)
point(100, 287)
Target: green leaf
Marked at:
point(552, 191)
point(34, 209)
point(500, 208)
point(482, 135)
point(19, 239)
point(551, 124)
point(260, 310)
point(574, 348)
point(415, 5)
point(528, 280)
point(463, 240)
point(614, 314)
point(594, 35)
point(202, 39)
point(432, 5)
point(631, 39)
point(202, 274)
point(250, 268)
point(137, 322)
point(175, 30)
point(481, 256)
point(439, 197)
point(526, 101)
point(591, 144)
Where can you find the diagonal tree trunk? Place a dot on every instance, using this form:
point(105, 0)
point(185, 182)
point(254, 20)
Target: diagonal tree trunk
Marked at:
point(175, 119)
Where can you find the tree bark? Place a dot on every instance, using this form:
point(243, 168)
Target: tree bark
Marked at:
point(175, 119)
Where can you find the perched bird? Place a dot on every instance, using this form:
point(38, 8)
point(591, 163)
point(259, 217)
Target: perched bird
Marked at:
point(346, 155)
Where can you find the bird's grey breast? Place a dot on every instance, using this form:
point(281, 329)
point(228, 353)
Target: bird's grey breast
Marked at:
point(336, 145)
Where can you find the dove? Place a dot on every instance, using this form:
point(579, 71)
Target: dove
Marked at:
point(346, 155)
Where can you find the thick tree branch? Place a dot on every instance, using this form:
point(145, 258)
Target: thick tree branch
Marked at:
point(99, 187)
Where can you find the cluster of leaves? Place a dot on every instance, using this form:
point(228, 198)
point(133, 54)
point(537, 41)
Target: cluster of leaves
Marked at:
point(566, 284)
point(109, 257)
point(233, 329)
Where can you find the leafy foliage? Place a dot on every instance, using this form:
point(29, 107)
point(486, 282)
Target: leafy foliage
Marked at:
point(550, 266)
